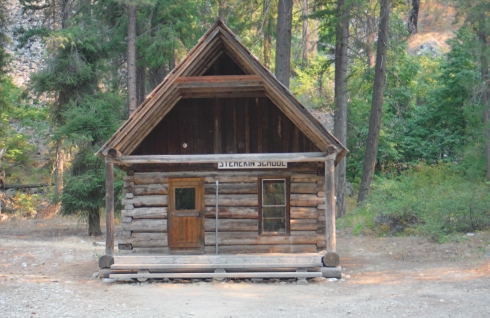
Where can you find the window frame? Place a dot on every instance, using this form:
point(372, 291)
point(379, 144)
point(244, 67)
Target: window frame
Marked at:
point(287, 181)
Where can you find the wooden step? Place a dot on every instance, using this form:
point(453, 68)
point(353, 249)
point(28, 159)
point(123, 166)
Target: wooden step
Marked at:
point(312, 259)
point(219, 275)
point(211, 266)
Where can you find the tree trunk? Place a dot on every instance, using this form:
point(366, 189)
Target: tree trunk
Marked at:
point(132, 98)
point(140, 84)
point(306, 32)
point(340, 116)
point(267, 34)
point(60, 167)
point(413, 17)
point(156, 76)
point(372, 141)
point(283, 41)
point(222, 8)
point(482, 35)
point(94, 223)
point(64, 13)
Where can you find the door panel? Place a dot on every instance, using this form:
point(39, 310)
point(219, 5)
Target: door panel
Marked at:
point(186, 214)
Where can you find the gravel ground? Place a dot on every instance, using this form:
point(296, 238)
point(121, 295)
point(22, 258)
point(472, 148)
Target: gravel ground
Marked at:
point(47, 269)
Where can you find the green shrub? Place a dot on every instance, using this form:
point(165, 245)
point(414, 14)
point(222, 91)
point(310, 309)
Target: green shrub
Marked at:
point(433, 201)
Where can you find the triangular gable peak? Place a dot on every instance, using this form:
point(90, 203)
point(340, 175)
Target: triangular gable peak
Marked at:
point(220, 67)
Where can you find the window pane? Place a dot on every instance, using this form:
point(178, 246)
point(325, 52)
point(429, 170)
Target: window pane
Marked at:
point(273, 192)
point(185, 198)
point(274, 225)
point(277, 212)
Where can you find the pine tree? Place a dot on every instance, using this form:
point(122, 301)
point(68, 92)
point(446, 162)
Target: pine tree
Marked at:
point(372, 141)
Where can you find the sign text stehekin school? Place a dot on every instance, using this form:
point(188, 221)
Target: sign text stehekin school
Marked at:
point(253, 165)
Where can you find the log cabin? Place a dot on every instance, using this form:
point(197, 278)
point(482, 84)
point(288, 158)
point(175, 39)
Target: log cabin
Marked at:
point(227, 175)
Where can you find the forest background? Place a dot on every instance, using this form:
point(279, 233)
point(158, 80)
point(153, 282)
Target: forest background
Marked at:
point(101, 58)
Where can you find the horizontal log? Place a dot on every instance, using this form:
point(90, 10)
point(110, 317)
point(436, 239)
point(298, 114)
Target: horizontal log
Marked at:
point(232, 188)
point(146, 225)
point(150, 178)
point(252, 188)
point(126, 219)
point(220, 275)
point(304, 225)
point(264, 258)
point(232, 178)
point(128, 184)
point(224, 94)
point(219, 79)
point(146, 213)
point(129, 195)
point(305, 200)
point(160, 225)
point(321, 241)
point(231, 225)
point(226, 238)
point(215, 158)
point(232, 200)
point(123, 233)
point(300, 188)
point(306, 178)
point(303, 213)
point(321, 194)
point(150, 189)
point(144, 250)
point(210, 267)
point(239, 249)
point(146, 240)
point(233, 212)
point(223, 176)
point(147, 200)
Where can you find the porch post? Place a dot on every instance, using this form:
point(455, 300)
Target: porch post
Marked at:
point(109, 208)
point(330, 200)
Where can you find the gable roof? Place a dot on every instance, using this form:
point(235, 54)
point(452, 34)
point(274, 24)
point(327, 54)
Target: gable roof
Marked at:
point(218, 40)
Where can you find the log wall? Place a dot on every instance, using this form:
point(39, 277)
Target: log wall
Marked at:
point(144, 218)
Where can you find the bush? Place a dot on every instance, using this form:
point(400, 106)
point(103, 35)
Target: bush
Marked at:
point(433, 201)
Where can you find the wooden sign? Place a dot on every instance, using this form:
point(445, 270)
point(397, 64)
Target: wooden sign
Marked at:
point(252, 165)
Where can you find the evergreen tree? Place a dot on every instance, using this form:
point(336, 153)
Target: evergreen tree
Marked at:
point(84, 112)
point(372, 141)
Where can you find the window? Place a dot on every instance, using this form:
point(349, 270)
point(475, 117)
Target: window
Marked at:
point(274, 206)
point(185, 198)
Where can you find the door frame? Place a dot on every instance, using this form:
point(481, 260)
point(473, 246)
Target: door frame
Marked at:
point(198, 184)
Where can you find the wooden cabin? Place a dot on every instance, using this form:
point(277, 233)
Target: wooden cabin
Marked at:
point(227, 174)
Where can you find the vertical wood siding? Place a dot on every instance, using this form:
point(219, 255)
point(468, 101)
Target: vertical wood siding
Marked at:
point(225, 125)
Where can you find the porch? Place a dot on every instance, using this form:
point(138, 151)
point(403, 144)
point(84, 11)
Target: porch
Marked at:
point(257, 265)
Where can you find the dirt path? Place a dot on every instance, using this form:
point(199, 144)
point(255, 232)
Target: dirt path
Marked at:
point(46, 270)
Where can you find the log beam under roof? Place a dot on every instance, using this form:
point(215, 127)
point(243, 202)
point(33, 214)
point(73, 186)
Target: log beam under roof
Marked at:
point(223, 86)
point(215, 158)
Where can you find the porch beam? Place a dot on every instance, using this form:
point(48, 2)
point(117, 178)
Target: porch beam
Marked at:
point(109, 207)
point(215, 158)
point(330, 200)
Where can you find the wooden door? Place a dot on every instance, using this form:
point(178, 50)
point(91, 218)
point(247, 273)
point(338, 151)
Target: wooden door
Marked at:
point(186, 214)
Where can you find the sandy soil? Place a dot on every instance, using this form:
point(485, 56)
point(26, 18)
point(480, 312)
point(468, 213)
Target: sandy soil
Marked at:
point(47, 267)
